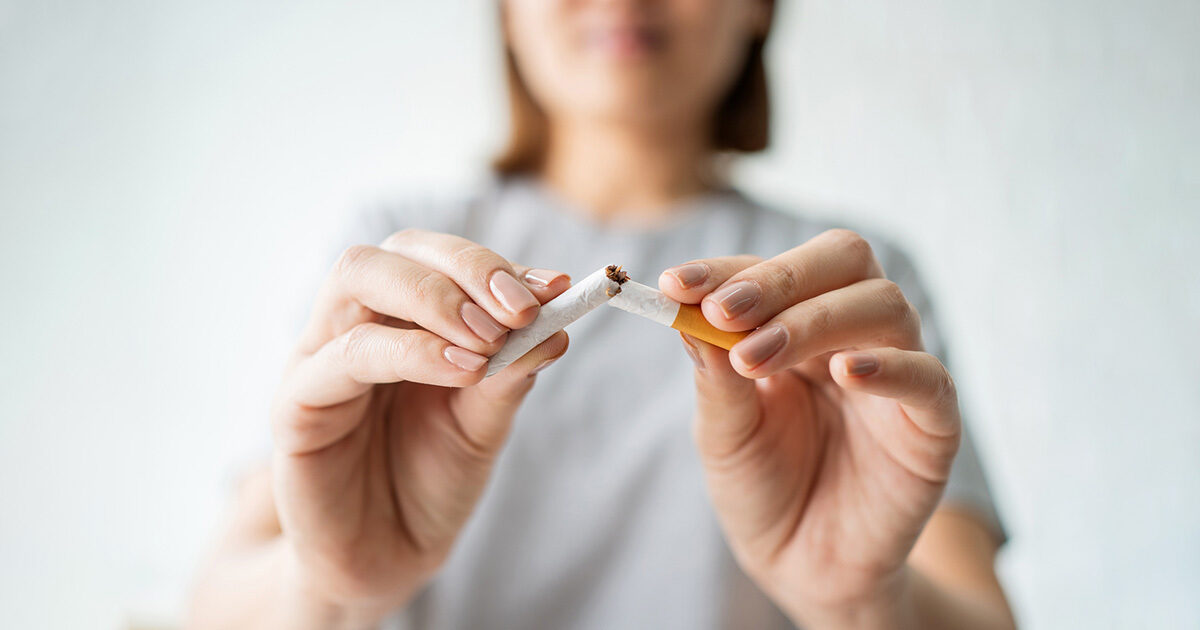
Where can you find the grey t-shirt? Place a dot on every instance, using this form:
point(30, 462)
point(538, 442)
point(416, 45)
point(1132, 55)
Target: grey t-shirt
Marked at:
point(596, 516)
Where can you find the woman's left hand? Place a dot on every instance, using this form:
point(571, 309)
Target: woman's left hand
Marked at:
point(826, 435)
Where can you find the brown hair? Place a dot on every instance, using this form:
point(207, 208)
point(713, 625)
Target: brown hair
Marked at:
point(741, 123)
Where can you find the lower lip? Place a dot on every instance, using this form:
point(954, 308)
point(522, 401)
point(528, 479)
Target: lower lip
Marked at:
point(625, 44)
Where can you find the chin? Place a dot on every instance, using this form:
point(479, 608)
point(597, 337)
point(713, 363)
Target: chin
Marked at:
point(636, 99)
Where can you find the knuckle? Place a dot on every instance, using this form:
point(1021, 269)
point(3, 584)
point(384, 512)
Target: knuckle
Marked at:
point(914, 318)
point(355, 347)
point(854, 243)
point(948, 389)
point(850, 239)
point(474, 258)
point(786, 279)
point(894, 300)
point(817, 321)
point(396, 239)
point(353, 259)
point(936, 379)
point(430, 287)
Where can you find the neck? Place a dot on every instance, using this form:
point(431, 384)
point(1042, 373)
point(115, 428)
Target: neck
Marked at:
point(635, 175)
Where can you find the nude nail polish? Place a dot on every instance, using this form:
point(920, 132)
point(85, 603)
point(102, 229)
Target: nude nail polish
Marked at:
point(510, 293)
point(543, 365)
point(762, 345)
point(464, 359)
point(690, 274)
point(543, 277)
point(481, 323)
point(861, 363)
point(737, 298)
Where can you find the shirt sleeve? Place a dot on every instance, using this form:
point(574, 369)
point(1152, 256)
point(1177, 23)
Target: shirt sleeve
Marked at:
point(967, 488)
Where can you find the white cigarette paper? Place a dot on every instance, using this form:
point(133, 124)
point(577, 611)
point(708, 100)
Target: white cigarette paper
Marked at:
point(555, 315)
point(640, 299)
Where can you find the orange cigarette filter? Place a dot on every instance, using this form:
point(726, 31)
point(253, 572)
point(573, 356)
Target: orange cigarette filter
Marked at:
point(691, 320)
point(640, 299)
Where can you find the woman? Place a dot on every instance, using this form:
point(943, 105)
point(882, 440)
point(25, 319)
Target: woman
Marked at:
point(406, 488)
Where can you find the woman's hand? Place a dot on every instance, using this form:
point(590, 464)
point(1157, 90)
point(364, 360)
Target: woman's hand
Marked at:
point(384, 433)
point(827, 435)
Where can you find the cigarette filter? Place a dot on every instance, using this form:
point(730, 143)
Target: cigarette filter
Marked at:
point(640, 299)
point(554, 315)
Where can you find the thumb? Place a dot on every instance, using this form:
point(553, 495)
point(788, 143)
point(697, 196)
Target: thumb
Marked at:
point(727, 406)
point(485, 411)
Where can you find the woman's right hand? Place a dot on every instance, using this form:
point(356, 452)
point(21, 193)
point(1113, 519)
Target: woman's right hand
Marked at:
point(384, 429)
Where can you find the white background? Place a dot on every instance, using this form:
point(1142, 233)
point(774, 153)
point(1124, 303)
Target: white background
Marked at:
point(170, 173)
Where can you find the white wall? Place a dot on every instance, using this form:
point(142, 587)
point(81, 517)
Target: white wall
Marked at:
point(169, 172)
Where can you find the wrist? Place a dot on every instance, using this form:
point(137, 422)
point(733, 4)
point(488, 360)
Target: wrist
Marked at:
point(890, 605)
point(310, 605)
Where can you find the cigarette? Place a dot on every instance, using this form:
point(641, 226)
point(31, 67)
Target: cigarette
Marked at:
point(579, 300)
point(640, 299)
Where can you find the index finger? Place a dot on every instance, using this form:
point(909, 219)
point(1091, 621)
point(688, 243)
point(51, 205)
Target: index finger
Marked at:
point(487, 277)
point(690, 282)
point(829, 261)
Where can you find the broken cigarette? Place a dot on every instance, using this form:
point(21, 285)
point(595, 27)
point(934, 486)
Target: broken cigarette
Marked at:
point(640, 299)
point(611, 285)
point(554, 315)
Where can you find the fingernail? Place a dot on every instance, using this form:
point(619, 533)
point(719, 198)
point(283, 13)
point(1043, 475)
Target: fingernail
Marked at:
point(481, 323)
point(861, 363)
point(510, 293)
point(692, 351)
point(463, 358)
point(762, 345)
point(689, 275)
point(541, 366)
point(737, 298)
point(543, 277)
